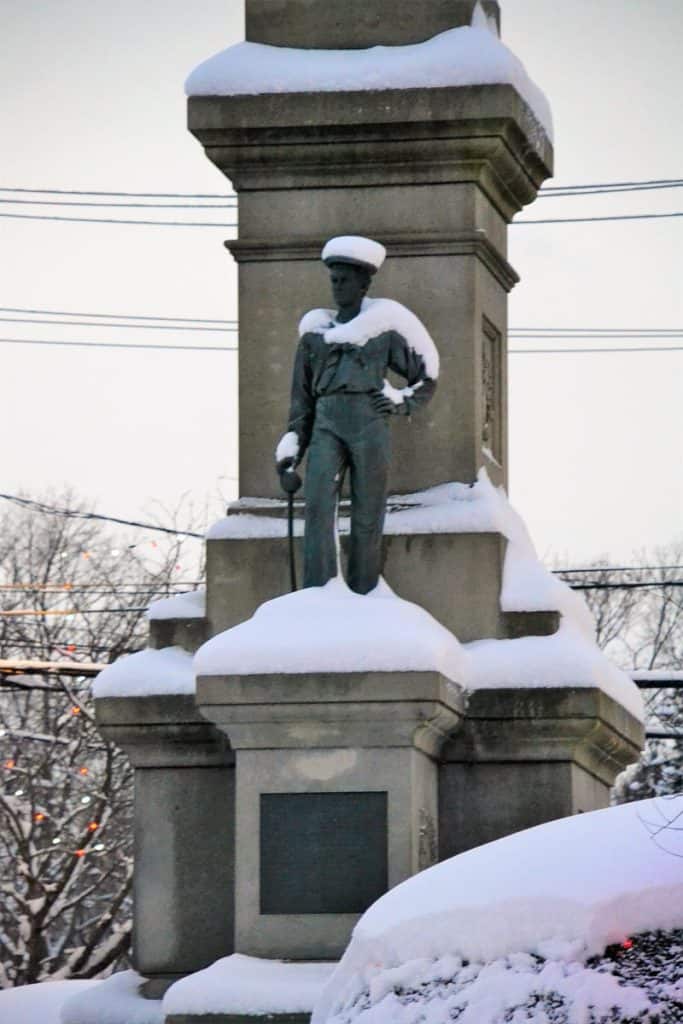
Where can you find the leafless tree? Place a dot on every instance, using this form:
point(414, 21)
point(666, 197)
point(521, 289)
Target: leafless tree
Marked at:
point(641, 628)
point(70, 589)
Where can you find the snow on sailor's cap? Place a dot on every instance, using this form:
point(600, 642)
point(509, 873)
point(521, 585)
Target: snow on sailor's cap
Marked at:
point(362, 252)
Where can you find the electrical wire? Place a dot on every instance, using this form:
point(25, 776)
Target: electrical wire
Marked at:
point(95, 323)
point(584, 220)
point(129, 195)
point(558, 191)
point(116, 316)
point(547, 190)
point(642, 585)
point(39, 506)
point(117, 344)
point(579, 351)
point(127, 206)
point(617, 568)
point(115, 220)
point(234, 348)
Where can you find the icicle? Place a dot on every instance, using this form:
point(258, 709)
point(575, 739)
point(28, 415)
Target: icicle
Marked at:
point(478, 16)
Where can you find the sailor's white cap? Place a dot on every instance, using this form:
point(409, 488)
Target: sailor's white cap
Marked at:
point(362, 252)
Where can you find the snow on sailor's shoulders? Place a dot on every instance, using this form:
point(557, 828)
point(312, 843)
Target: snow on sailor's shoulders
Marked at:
point(146, 674)
point(377, 316)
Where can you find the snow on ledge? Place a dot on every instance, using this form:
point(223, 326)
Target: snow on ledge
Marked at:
point(39, 1003)
point(563, 891)
point(147, 674)
point(191, 605)
point(115, 1000)
point(565, 659)
point(246, 985)
point(332, 629)
point(459, 57)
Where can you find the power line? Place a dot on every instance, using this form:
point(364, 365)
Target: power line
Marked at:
point(234, 348)
point(130, 195)
point(578, 351)
point(642, 585)
point(139, 206)
point(116, 316)
point(617, 568)
point(114, 220)
point(597, 332)
point(88, 323)
point(547, 190)
point(115, 344)
point(39, 506)
point(584, 220)
point(210, 224)
point(611, 186)
point(517, 331)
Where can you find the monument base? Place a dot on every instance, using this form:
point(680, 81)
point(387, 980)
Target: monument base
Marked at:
point(336, 797)
point(525, 757)
point(183, 828)
point(238, 1018)
point(456, 577)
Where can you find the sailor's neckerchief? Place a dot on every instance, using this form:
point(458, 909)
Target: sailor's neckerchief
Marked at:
point(377, 316)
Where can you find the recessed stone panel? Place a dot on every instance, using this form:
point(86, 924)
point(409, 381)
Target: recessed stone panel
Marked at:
point(322, 853)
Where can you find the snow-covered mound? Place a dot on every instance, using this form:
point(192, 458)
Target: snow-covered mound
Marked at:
point(116, 1000)
point(40, 1003)
point(146, 674)
point(191, 605)
point(471, 55)
point(560, 893)
point(248, 985)
point(332, 629)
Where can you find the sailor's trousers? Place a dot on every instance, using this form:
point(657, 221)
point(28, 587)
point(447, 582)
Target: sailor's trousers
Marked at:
point(348, 434)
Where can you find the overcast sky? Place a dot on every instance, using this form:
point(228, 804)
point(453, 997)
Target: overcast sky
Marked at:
point(92, 98)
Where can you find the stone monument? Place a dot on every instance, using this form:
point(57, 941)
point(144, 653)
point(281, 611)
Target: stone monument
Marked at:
point(303, 775)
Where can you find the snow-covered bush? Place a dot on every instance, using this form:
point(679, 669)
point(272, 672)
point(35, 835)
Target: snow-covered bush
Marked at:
point(579, 921)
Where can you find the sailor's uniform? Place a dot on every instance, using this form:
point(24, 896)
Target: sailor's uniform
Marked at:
point(338, 368)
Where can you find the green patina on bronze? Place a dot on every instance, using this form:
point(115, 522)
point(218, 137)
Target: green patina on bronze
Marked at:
point(341, 418)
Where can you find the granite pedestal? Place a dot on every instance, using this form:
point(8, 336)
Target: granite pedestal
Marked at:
point(527, 756)
point(336, 797)
point(184, 833)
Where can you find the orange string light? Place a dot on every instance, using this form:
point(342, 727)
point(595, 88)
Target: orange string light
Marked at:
point(75, 710)
point(83, 771)
point(9, 764)
point(93, 826)
point(79, 853)
point(39, 816)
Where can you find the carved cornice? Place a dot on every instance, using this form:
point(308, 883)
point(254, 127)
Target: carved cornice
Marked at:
point(575, 724)
point(482, 134)
point(462, 243)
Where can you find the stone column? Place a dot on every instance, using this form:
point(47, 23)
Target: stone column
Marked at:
point(184, 834)
point(523, 757)
point(356, 23)
point(336, 797)
point(435, 174)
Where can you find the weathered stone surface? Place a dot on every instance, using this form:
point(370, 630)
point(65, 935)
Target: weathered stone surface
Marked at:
point(189, 634)
point(435, 175)
point(184, 834)
point(523, 757)
point(455, 577)
point(342, 735)
point(355, 23)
